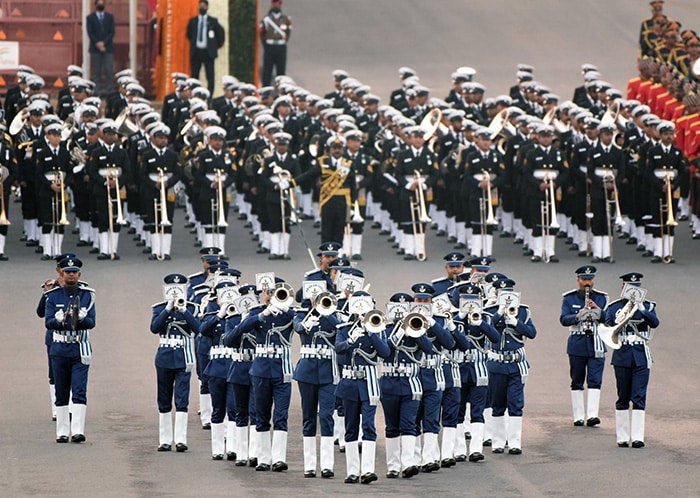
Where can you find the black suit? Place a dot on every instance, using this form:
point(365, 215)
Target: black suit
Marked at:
point(214, 37)
point(101, 31)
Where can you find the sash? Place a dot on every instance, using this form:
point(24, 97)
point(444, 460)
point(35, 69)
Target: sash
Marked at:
point(372, 384)
point(85, 347)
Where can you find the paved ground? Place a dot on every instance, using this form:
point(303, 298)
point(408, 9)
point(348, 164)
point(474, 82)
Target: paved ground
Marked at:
point(371, 39)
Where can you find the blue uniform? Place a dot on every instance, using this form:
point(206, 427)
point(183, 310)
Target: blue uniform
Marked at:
point(507, 364)
point(175, 356)
point(633, 360)
point(239, 373)
point(401, 387)
point(317, 373)
point(201, 296)
point(219, 364)
point(70, 350)
point(585, 349)
point(359, 385)
point(271, 370)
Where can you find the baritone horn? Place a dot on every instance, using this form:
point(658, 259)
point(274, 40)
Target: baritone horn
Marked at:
point(610, 334)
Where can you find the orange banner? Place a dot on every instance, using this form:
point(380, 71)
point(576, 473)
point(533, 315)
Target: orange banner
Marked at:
point(172, 46)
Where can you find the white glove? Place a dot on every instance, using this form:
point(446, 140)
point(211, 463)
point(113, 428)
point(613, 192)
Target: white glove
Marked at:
point(476, 323)
point(281, 309)
point(502, 309)
point(355, 335)
point(511, 320)
point(222, 312)
point(430, 320)
point(273, 310)
point(170, 305)
point(82, 313)
point(450, 324)
point(284, 184)
point(311, 321)
point(59, 315)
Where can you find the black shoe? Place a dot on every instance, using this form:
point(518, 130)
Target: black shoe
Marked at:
point(393, 474)
point(341, 449)
point(356, 257)
point(637, 444)
point(181, 447)
point(574, 247)
point(367, 478)
point(189, 225)
point(317, 224)
point(647, 254)
point(206, 427)
point(4, 258)
point(164, 447)
point(623, 444)
point(241, 463)
point(131, 231)
point(461, 245)
point(446, 463)
point(248, 225)
point(631, 241)
point(62, 439)
point(409, 257)
point(262, 250)
point(152, 257)
point(142, 243)
point(476, 457)
point(623, 235)
point(83, 243)
point(515, 451)
point(517, 241)
point(460, 458)
point(442, 233)
point(656, 259)
point(553, 259)
point(327, 473)
point(596, 259)
point(451, 239)
point(535, 259)
point(410, 472)
point(351, 479)
point(46, 257)
point(608, 259)
point(217, 457)
point(94, 250)
point(23, 238)
point(242, 216)
point(273, 257)
point(640, 248)
point(198, 243)
point(561, 235)
point(592, 422)
point(279, 467)
point(53, 418)
point(498, 451)
point(252, 462)
point(255, 238)
point(262, 467)
point(505, 235)
point(231, 456)
point(376, 225)
point(696, 236)
point(578, 423)
point(569, 240)
point(487, 442)
point(167, 257)
point(77, 438)
point(528, 252)
point(400, 252)
point(223, 257)
point(395, 245)
point(32, 243)
point(102, 256)
point(682, 217)
point(310, 474)
point(384, 232)
point(431, 467)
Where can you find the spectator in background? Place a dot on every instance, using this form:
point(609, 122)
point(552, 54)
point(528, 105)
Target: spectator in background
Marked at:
point(275, 29)
point(100, 29)
point(206, 37)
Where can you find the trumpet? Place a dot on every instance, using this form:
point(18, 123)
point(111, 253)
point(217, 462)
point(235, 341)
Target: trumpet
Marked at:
point(326, 304)
point(231, 309)
point(282, 296)
point(374, 321)
point(415, 325)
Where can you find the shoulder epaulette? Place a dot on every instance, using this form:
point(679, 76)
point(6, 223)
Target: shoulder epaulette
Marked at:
point(198, 274)
point(443, 279)
point(568, 293)
point(162, 303)
point(311, 272)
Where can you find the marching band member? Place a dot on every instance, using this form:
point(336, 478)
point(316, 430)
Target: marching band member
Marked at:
point(454, 268)
point(213, 325)
point(364, 171)
point(8, 176)
point(361, 351)
point(401, 393)
point(271, 374)
point(474, 330)
point(582, 309)
point(174, 321)
point(317, 375)
point(243, 345)
point(507, 369)
point(70, 314)
point(632, 361)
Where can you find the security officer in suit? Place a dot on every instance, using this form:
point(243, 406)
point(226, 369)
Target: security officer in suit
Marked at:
point(100, 30)
point(275, 30)
point(507, 369)
point(70, 315)
point(474, 330)
point(582, 310)
point(206, 37)
point(401, 393)
point(159, 159)
point(54, 174)
point(243, 351)
point(176, 325)
point(317, 374)
point(359, 350)
point(632, 361)
point(454, 268)
point(271, 375)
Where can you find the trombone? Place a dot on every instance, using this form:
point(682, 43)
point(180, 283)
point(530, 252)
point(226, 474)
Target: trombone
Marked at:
point(419, 215)
point(4, 173)
point(111, 173)
point(667, 175)
point(355, 217)
point(548, 210)
point(160, 207)
point(217, 205)
point(485, 207)
point(608, 176)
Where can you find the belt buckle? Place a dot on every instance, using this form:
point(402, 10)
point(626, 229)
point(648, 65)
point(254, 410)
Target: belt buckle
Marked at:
point(270, 349)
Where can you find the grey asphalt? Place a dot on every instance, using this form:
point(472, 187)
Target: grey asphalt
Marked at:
point(371, 40)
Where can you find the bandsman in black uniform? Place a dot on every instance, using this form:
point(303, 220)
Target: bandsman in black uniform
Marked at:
point(364, 172)
point(8, 176)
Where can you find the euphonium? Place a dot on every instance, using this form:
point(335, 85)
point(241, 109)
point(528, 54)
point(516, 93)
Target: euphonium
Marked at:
point(609, 334)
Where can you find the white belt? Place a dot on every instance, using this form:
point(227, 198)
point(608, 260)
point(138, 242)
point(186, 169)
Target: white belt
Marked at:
point(577, 331)
point(315, 352)
point(431, 363)
point(220, 352)
point(276, 42)
point(241, 356)
point(505, 357)
point(400, 370)
point(353, 373)
point(269, 351)
point(631, 339)
point(58, 337)
point(171, 342)
point(462, 357)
